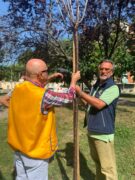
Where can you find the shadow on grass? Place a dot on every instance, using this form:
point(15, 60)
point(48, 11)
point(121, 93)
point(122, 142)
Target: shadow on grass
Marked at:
point(85, 172)
point(13, 174)
point(81, 107)
point(1, 176)
point(62, 169)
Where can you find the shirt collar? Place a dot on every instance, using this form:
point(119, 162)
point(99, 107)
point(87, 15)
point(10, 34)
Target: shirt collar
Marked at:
point(36, 83)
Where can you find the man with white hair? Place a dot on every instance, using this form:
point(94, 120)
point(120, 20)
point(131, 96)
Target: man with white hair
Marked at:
point(101, 120)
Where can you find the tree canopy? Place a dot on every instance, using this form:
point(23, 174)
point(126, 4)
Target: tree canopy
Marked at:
point(38, 29)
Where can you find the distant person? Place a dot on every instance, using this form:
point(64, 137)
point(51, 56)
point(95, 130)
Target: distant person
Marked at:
point(101, 121)
point(32, 126)
point(124, 80)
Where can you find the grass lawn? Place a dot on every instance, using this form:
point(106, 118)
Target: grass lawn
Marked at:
point(61, 166)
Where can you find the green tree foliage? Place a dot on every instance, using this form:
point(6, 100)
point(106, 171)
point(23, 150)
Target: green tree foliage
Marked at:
point(36, 27)
point(11, 72)
point(51, 55)
point(104, 36)
point(37, 30)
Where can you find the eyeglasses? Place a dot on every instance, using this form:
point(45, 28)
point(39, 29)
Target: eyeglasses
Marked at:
point(106, 69)
point(44, 71)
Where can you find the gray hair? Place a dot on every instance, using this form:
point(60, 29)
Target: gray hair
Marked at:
point(108, 61)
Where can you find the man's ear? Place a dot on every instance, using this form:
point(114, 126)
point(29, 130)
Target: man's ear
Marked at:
point(40, 77)
point(112, 73)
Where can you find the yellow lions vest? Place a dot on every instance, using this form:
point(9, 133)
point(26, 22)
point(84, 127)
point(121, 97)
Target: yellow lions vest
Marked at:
point(29, 131)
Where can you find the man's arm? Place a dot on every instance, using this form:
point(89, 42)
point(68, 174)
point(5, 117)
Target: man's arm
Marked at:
point(53, 76)
point(52, 98)
point(93, 101)
point(105, 99)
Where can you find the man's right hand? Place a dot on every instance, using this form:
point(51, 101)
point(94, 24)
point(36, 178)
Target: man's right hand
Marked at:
point(76, 76)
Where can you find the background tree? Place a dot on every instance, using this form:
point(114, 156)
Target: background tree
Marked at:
point(105, 32)
point(101, 34)
point(40, 31)
point(131, 48)
point(11, 72)
point(71, 13)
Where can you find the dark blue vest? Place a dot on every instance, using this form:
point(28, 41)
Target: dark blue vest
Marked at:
point(102, 121)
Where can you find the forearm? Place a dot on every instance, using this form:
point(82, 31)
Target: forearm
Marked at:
point(72, 83)
point(93, 101)
point(50, 77)
point(52, 98)
point(54, 76)
point(55, 98)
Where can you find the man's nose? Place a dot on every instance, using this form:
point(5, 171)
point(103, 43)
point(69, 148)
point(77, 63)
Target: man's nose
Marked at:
point(104, 71)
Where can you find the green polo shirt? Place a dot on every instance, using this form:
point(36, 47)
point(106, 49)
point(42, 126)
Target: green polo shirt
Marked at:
point(107, 96)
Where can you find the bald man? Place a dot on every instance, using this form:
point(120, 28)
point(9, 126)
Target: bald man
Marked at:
point(32, 127)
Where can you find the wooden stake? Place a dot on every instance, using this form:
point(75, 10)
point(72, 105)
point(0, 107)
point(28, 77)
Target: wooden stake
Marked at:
point(76, 171)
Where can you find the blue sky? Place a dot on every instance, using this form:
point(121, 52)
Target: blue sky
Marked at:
point(3, 7)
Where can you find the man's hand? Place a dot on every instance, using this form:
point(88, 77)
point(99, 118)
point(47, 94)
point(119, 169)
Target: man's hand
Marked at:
point(55, 75)
point(75, 77)
point(4, 100)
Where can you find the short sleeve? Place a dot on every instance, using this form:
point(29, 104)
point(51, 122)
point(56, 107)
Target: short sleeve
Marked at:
point(110, 94)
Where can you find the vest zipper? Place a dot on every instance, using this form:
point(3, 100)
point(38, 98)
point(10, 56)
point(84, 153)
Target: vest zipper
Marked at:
point(103, 119)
